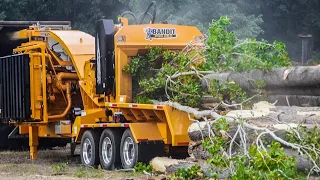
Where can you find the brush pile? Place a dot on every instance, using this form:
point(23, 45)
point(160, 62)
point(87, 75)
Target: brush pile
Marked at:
point(255, 116)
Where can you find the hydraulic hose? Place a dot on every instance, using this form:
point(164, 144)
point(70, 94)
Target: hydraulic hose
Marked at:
point(65, 112)
point(65, 87)
point(150, 15)
point(130, 13)
point(61, 76)
point(153, 3)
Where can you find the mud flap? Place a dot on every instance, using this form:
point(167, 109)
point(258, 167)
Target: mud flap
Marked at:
point(150, 149)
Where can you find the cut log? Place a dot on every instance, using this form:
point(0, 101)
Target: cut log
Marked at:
point(298, 76)
point(299, 84)
point(160, 164)
point(197, 151)
point(281, 100)
point(169, 166)
point(294, 100)
point(297, 91)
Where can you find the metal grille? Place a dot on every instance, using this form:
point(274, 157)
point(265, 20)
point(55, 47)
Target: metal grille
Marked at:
point(15, 87)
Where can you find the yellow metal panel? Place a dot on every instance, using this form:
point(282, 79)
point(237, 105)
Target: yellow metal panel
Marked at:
point(89, 118)
point(149, 114)
point(138, 114)
point(47, 131)
point(165, 133)
point(78, 42)
point(145, 131)
point(81, 60)
point(23, 129)
point(135, 35)
point(44, 84)
point(127, 114)
point(135, 106)
point(161, 115)
point(91, 115)
point(104, 125)
point(123, 80)
point(35, 83)
point(80, 46)
point(179, 123)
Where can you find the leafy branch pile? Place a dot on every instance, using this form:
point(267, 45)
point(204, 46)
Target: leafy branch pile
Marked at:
point(175, 78)
point(163, 74)
point(258, 163)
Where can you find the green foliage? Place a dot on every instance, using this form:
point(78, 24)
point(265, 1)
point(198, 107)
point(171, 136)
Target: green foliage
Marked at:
point(142, 100)
point(193, 172)
point(217, 145)
point(259, 164)
point(271, 164)
point(151, 72)
point(260, 84)
point(262, 164)
point(226, 53)
point(221, 124)
point(158, 74)
point(308, 137)
point(140, 167)
point(226, 91)
point(59, 168)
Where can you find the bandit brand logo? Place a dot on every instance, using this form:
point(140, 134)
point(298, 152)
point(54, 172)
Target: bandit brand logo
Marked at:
point(160, 33)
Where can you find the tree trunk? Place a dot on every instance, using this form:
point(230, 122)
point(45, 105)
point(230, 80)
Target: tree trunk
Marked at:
point(298, 76)
point(294, 100)
point(168, 166)
point(281, 100)
point(298, 91)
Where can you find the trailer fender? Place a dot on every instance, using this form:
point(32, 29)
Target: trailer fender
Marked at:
point(145, 132)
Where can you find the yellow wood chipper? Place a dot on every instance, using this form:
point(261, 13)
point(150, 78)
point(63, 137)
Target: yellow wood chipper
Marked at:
point(69, 84)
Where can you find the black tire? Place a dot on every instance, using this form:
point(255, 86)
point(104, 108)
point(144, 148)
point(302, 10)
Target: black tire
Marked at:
point(90, 154)
point(127, 136)
point(113, 137)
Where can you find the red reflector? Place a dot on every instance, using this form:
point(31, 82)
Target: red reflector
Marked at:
point(159, 107)
point(183, 143)
point(105, 125)
point(126, 125)
point(142, 140)
point(85, 126)
point(134, 105)
point(114, 105)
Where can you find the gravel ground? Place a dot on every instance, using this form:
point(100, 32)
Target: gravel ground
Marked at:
point(54, 164)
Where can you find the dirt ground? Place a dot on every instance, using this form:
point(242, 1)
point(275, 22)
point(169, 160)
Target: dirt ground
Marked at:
point(54, 164)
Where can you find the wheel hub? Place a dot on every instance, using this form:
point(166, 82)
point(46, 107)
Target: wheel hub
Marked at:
point(129, 151)
point(106, 150)
point(87, 151)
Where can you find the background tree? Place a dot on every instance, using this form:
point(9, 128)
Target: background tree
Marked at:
point(285, 19)
point(201, 13)
point(83, 14)
point(272, 20)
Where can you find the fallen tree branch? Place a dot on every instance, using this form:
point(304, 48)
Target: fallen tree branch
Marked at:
point(241, 124)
